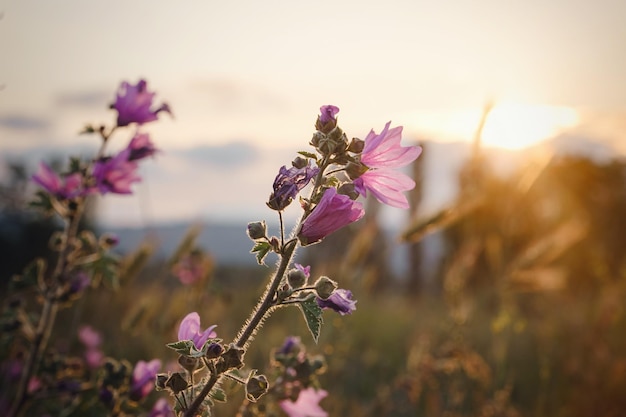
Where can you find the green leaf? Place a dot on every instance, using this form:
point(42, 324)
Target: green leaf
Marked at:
point(261, 249)
point(32, 274)
point(313, 316)
point(183, 347)
point(308, 155)
point(218, 394)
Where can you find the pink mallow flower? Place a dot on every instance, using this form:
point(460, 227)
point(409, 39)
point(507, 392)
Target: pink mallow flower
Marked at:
point(140, 147)
point(116, 174)
point(333, 212)
point(67, 187)
point(340, 301)
point(381, 154)
point(161, 408)
point(133, 104)
point(189, 329)
point(92, 341)
point(307, 404)
point(142, 381)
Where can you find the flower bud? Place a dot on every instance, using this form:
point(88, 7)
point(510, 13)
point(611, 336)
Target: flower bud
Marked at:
point(355, 170)
point(187, 363)
point(256, 386)
point(233, 357)
point(108, 240)
point(257, 230)
point(214, 350)
point(296, 278)
point(300, 162)
point(161, 381)
point(324, 287)
point(349, 190)
point(177, 382)
point(356, 145)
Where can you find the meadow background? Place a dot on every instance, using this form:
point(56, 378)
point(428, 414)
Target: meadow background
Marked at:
point(501, 293)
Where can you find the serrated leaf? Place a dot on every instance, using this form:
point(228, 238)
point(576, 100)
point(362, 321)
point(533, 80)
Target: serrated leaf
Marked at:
point(183, 347)
point(313, 316)
point(308, 154)
point(218, 394)
point(261, 249)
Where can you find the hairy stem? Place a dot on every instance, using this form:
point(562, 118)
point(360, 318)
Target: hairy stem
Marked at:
point(48, 315)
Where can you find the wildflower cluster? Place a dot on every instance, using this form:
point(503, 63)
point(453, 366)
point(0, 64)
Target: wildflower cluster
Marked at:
point(337, 173)
point(81, 261)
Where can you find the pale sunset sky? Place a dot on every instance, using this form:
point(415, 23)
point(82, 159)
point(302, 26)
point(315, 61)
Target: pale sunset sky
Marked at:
point(245, 80)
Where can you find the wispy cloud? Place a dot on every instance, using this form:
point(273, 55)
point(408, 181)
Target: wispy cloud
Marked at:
point(23, 122)
point(232, 154)
point(93, 99)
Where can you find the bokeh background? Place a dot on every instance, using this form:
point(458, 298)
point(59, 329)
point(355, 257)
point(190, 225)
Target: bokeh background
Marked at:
point(500, 293)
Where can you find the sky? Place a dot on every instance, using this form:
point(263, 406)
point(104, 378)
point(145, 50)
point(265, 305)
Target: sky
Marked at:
point(245, 80)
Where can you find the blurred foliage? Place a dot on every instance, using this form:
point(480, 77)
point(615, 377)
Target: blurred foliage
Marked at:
point(525, 318)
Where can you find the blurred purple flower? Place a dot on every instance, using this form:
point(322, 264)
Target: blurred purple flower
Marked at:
point(79, 282)
point(333, 212)
point(140, 147)
point(70, 186)
point(191, 268)
point(288, 184)
point(89, 337)
point(161, 408)
point(133, 104)
point(340, 301)
point(92, 341)
point(143, 378)
point(307, 404)
point(116, 174)
point(189, 329)
point(289, 343)
point(381, 154)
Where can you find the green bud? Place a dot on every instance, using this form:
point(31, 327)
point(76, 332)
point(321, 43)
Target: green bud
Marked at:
point(355, 170)
point(324, 287)
point(257, 230)
point(356, 145)
point(300, 162)
point(296, 278)
point(189, 364)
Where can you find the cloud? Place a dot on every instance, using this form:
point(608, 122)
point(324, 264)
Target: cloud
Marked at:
point(92, 99)
point(22, 122)
point(230, 95)
point(230, 155)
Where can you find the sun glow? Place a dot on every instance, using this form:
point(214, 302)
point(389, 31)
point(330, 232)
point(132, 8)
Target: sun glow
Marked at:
point(516, 126)
point(508, 125)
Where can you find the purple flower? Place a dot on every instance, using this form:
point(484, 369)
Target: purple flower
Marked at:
point(333, 212)
point(381, 154)
point(340, 301)
point(290, 343)
point(140, 147)
point(161, 408)
point(307, 404)
point(70, 186)
point(288, 184)
point(116, 174)
point(189, 329)
point(79, 282)
point(143, 378)
point(328, 113)
point(133, 104)
point(92, 341)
